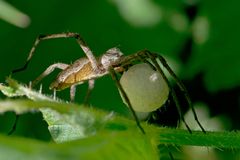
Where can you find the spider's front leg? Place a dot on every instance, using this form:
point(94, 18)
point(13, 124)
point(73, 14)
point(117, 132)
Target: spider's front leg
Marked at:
point(116, 80)
point(79, 40)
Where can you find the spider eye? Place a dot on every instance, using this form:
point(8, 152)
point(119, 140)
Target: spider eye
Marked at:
point(114, 52)
point(145, 88)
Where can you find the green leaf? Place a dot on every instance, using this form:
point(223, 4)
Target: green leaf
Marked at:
point(75, 124)
point(104, 146)
point(87, 133)
point(106, 124)
point(16, 90)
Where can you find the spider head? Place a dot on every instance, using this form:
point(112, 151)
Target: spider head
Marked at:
point(111, 57)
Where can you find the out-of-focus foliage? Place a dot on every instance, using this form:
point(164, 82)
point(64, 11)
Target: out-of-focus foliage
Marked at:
point(12, 15)
point(140, 13)
point(107, 147)
point(218, 56)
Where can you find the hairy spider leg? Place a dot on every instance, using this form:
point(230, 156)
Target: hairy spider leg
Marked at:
point(79, 40)
point(119, 86)
point(48, 71)
point(72, 92)
point(91, 83)
point(153, 57)
point(182, 88)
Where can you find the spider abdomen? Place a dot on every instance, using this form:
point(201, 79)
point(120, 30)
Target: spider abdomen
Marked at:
point(79, 72)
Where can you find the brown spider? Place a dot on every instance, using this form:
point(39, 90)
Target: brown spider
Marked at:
point(111, 62)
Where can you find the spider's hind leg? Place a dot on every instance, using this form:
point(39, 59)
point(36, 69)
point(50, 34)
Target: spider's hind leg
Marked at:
point(183, 90)
point(154, 58)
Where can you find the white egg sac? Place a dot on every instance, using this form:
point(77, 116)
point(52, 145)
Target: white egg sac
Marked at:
point(145, 87)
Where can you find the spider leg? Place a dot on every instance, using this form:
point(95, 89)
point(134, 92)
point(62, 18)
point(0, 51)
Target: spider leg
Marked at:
point(48, 71)
point(159, 69)
point(14, 126)
point(72, 92)
point(54, 94)
point(179, 109)
point(182, 88)
point(79, 40)
point(169, 152)
point(91, 83)
point(90, 88)
point(116, 80)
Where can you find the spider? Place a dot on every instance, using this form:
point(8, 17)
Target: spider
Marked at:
point(111, 62)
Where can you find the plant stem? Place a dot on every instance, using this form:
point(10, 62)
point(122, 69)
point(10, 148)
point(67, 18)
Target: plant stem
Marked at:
point(197, 138)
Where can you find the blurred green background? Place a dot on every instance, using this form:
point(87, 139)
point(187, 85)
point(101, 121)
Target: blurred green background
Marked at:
point(199, 38)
